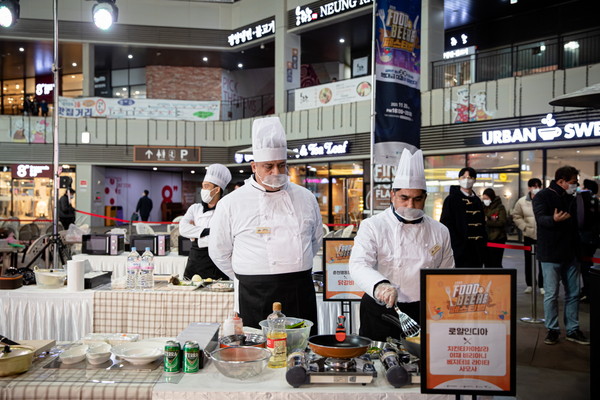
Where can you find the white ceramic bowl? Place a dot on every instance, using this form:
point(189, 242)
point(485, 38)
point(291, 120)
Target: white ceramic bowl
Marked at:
point(73, 355)
point(98, 353)
point(137, 353)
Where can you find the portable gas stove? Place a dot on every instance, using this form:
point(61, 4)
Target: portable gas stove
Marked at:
point(312, 368)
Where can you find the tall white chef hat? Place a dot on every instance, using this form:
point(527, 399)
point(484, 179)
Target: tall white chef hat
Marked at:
point(268, 140)
point(218, 174)
point(410, 173)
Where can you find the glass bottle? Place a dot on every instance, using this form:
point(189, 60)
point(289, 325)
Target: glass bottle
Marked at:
point(277, 337)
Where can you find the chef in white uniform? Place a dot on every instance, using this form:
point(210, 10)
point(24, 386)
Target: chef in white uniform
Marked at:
point(195, 224)
point(391, 248)
point(266, 233)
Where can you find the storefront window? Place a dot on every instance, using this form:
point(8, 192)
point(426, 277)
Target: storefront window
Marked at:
point(441, 172)
point(532, 166)
point(347, 201)
point(585, 159)
point(317, 181)
point(72, 85)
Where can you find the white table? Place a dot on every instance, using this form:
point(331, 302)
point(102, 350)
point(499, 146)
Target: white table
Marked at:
point(170, 264)
point(210, 384)
point(31, 313)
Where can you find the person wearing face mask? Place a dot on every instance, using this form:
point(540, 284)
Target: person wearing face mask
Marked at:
point(495, 226)
point(462, 213)
point(195, 224)
point(588, 222)
point(525, 220)
point(391, 248)
point(556, 217)
point(266, 233)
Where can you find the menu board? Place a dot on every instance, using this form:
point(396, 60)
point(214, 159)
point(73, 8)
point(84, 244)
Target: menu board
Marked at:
point(339, 285)
point(468, 338)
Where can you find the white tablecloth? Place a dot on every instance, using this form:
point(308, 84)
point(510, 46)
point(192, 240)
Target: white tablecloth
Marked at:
point(31, 313)
point(170, 264)
point(271, 384)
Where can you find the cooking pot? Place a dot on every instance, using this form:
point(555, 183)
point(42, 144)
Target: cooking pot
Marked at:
point(15, 360)
point(412, 345)
point(329, 346)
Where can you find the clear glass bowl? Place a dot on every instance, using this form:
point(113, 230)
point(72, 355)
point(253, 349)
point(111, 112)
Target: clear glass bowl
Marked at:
point(240, 362)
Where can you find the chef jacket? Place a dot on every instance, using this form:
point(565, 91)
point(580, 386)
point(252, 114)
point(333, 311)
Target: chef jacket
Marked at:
point(201, 220)
point(387, 249)
point(255, 232)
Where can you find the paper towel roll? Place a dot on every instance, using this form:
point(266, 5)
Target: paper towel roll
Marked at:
point(75, 271)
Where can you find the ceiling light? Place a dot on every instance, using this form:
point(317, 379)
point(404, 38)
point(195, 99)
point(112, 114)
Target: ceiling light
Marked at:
point(192, 172)
point(262, 46)
point(130, 56)
point(154, 168)
point(105, 13)
point(342, 40)
point(240, 65)
point(73, 76)
point(21, 49)
point(9, 13)
point(205, 59)
point(124, 89)
point(74, 64)
point(241, 171)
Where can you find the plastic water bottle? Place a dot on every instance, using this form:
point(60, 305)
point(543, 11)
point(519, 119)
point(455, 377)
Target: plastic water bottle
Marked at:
point(133, 269)
point(277, 337)
point(146, 279)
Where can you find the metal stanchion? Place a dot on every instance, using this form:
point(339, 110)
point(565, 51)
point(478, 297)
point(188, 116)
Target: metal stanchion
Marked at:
point(533, 319)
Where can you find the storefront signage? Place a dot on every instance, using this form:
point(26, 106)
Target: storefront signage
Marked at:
point(248, 34)
point(166, 154)
point(315, 12)
point(468, 337)
point(551, 132)
point(44, 89)
point(322, 149)
point(339, 284)
point(29, 171)
point(465, 51)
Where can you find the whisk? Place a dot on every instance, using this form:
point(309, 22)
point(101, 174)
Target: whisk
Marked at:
point(409, 326)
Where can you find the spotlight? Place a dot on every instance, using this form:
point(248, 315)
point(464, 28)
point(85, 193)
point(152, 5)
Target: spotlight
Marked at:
point(9, 12)
point(105, 13)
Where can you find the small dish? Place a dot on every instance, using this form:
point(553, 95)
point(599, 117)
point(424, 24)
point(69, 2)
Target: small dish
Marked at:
point(120, 338)
point(137, 353)
point(98, 354)
point(220, 286)
point(73, 355)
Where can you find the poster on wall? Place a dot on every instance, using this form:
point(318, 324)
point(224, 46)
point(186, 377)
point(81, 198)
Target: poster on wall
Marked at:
point(339, 285)
point(397, 75)
point(468, 335)
point(29, 130)
point(346, 91)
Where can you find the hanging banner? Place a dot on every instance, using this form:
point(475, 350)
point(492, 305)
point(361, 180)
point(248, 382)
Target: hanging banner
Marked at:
point(139, 108)
point(468, 335)
point(333, 93)
point(397, 79)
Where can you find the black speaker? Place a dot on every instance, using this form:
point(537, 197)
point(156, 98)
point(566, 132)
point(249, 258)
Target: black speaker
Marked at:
point(66, 181)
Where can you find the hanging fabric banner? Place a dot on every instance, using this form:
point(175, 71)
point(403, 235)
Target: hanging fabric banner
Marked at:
point(397, 87)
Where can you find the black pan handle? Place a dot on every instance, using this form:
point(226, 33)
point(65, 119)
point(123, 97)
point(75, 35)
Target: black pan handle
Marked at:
point(6, 340)
point(391, 319)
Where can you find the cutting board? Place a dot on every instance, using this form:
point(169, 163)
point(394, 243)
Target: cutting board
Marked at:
point(40, 346)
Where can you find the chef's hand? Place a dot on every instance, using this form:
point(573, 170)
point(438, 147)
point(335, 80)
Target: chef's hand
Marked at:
point(387, 294)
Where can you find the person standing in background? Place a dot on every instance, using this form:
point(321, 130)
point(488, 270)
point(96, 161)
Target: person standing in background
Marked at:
point(495, 226)
point(66, 211)
point(144, 206)
point(525, 220)
point(44, 108)
point(462, 214)
point(588, 223)
point(556, 218)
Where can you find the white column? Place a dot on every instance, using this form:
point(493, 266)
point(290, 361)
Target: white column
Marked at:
point(287, 58)
point(432, 38)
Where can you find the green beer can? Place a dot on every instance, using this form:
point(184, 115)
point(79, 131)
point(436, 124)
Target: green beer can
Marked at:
point(172, 364)
point(191, 357)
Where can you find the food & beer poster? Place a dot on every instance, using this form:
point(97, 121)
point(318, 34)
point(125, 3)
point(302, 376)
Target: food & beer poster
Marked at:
point(339, 284)
point(468, 331)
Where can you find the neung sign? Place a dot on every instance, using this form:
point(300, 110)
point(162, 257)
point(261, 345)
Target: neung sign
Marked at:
point(317, 12)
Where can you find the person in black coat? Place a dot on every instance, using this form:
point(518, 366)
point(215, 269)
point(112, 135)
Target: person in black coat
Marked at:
point(144, 206)
point(557, 237)
point(588, 222)
point(463, 215)
point(66, 212)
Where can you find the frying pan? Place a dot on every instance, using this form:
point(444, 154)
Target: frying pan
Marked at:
point(329, 346)
point(412, 347)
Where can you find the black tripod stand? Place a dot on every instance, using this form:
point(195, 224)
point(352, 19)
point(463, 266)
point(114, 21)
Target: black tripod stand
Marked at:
point(44, 247)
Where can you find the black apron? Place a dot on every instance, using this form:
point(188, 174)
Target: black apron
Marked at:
point(376, 328)
point(199, 263)
point(295, 291)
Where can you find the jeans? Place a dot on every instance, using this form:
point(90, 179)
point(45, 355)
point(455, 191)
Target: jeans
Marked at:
point(569, 275)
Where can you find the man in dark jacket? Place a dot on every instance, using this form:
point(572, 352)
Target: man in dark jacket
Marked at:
point(555, 215)
point(588, 222)
point(144, 206)
point(66, 212)
point(462, 214)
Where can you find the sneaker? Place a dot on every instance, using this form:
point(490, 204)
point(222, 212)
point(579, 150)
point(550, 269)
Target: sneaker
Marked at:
point(542, 291)
point(528, 289)
point(578, 337)
point(552, 337)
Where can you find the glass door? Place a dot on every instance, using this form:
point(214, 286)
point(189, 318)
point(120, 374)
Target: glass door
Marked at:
point(347, 200)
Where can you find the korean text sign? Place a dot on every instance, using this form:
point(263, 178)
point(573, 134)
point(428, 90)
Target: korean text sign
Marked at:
point(339, 284)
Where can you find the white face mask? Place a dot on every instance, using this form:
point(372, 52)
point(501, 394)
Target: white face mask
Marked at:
point(487, 202)
point(466, 183)
point(274, 181)
point(535, 191)
point(410, 214)
point(572, 188)
point(205, 195)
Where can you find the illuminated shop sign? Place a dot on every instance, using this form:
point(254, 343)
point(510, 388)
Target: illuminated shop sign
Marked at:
point(28, 171)
point(315, 12)
point(248, 34)
point(550, 132)
point(308, 150)
point(465, 51)
point(44, 89)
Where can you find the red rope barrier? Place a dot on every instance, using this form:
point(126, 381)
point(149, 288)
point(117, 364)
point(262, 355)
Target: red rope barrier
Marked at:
point(125, 220)
point(592, 259)
point(509, 246)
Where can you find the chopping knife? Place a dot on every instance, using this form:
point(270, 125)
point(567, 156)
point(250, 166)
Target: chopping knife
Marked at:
point(340, 331)
point(6, 340)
